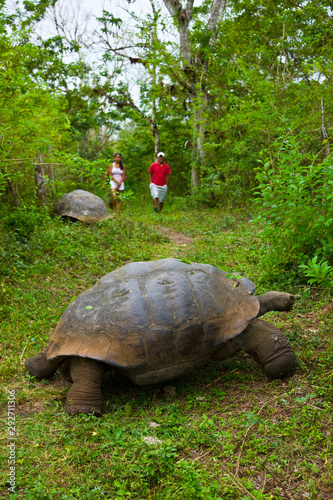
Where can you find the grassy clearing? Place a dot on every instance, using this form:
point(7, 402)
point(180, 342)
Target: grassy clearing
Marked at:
point(226, 432)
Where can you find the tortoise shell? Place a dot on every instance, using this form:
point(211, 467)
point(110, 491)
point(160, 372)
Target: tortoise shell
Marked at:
point(83, 206)
point(155, 321)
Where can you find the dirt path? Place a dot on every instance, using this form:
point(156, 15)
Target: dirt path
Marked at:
point(179, 243)
point(179, 239)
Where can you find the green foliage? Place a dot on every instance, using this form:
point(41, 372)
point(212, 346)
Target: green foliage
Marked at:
point(30, 237)
point(268, 73)
point(23, 221)
point(3, 181)
point(216, 190)
point(31, 117)
point(294, 201)
point(267, 77)
point(318, 273)
point(32, 120)
point(227, 433)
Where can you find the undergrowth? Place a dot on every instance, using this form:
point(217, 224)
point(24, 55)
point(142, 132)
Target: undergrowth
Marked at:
point(225, 432)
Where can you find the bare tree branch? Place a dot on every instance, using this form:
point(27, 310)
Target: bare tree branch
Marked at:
point(132, 60)
point(173, 6)
point(216, 14)
point(183, 17)
point(128, 101)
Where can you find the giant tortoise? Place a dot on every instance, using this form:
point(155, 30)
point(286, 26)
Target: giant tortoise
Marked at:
point(156, 321)
point(82, 205)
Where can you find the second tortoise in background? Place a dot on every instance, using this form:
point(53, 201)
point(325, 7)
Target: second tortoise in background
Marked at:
point(82, 205)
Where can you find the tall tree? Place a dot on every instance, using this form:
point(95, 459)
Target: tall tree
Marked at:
point(195, 51)
point(122, 48)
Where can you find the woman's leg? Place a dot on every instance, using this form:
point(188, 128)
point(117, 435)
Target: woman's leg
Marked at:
point(114, 198)
point(119, 193)
point(110, 199)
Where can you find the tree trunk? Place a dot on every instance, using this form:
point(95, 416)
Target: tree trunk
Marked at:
point(153, 122)
point(183, 16)
point(12, 190)
point(40, 179)
point(327, 149)
point(200, 128)
point(156, 135)
point(195, 177)
point(49, 169)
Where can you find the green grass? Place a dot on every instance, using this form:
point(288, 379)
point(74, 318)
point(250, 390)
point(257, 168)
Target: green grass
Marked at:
point(225, 432)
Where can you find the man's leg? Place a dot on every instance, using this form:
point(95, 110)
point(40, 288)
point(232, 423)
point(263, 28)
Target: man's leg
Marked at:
point(162, 195)
point(154, 195)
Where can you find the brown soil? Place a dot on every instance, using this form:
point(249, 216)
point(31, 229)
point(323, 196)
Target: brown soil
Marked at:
point(179, 239)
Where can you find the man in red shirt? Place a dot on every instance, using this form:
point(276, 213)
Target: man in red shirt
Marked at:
point(158, 181)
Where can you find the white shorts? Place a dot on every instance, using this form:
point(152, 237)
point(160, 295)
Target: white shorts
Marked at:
point(158, 192)
point(114, 185)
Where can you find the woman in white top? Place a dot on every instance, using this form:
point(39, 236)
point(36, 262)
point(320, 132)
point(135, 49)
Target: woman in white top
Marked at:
point(117, 174)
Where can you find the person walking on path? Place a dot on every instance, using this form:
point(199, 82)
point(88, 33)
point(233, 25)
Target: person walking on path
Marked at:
point(117, 175)
point(159, 172)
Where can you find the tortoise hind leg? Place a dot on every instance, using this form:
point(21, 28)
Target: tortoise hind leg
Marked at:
point(39, 366)
point(269, 347)
point(85, 395)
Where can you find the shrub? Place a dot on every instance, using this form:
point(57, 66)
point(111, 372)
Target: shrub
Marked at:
point(23, 221)
point(296, 212)
point(318, 273)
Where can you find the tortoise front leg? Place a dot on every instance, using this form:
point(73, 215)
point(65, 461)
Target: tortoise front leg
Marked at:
point(39, 366)
point(85, 395)
point(269, 347)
